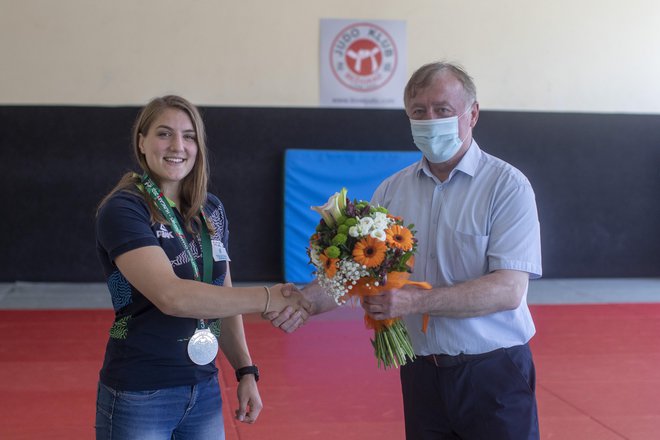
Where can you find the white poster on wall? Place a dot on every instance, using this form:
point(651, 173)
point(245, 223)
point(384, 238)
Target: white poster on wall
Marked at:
point(363, 63)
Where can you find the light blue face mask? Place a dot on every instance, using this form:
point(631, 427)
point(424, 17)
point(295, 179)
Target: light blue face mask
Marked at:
point(437, 139)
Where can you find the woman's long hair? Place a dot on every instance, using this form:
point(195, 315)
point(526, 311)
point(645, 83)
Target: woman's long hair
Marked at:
point(193, 186)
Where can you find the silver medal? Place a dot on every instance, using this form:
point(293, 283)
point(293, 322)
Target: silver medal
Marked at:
point(202, 347)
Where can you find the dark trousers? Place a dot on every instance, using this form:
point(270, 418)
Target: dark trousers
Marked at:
point(489, 397)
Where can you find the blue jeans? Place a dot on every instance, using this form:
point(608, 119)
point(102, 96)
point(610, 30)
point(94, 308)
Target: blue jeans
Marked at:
point(181, 413)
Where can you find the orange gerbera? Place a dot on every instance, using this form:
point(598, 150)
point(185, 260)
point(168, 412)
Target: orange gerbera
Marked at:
point(369, 252)
point(329, 265)
point(399, 237)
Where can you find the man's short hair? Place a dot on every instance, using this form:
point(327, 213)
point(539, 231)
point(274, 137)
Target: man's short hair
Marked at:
point(424, 76)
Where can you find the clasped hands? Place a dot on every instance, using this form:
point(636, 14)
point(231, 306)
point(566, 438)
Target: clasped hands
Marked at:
point(288, 307)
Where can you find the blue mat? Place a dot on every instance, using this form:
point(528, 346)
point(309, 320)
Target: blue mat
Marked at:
point(311, 177)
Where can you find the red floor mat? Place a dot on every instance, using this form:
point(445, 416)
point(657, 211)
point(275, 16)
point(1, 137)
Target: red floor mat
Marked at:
point(598, 376)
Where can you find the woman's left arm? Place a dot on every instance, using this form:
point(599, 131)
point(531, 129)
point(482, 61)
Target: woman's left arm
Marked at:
point(234, 346)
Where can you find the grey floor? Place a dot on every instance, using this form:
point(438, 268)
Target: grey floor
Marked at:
point(30, 295)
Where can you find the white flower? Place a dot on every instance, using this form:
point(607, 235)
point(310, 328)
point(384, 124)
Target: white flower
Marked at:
point(333, 208)
point(378, 234)
point(314, 256)
point(366, 223)
point(381, 221)
point(354, 231)
point(348, 272)
point(380, 216)
point(380, 225)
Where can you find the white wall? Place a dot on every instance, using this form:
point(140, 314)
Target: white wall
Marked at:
point(548, 55)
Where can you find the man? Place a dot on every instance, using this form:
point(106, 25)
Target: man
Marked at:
point(479, 244)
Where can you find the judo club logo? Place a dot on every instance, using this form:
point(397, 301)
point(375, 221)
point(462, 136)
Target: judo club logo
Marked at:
point(363, 57)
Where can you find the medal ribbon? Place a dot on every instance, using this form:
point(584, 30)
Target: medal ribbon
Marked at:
point(157, 195)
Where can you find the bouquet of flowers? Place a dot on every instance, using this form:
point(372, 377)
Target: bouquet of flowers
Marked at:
point(359, 250)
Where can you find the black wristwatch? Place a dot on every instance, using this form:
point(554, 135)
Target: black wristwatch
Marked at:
point(252, 369)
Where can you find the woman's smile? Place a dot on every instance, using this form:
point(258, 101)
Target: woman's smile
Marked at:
point(170, 149)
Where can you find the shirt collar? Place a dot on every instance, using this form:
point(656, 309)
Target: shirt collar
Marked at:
point(467, 165)
point(470, 161)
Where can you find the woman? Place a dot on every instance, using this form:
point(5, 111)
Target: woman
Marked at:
point(167, 269)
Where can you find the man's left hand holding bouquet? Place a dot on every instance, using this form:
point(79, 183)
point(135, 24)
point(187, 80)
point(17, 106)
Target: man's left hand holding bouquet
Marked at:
point(395, 303)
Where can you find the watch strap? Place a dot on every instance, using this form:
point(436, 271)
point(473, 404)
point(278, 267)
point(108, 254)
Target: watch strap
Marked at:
point(250, 369)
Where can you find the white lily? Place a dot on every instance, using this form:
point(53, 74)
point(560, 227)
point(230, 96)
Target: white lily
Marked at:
point(333, 208)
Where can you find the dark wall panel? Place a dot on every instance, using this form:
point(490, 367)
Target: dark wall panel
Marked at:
point(597, 184)
point(596, 179)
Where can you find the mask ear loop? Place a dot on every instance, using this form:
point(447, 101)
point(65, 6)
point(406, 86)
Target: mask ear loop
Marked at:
point(467, 110)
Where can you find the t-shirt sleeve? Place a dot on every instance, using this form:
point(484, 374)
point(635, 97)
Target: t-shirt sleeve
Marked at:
point(515, 241)
point(218, 217)
point(123, 224)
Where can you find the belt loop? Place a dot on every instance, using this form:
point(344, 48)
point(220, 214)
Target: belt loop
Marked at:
point(435, 361)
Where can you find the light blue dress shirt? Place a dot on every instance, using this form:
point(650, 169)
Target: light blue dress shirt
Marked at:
point(481, 219)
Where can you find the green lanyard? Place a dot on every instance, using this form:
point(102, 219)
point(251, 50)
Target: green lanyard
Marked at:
point(157, 195)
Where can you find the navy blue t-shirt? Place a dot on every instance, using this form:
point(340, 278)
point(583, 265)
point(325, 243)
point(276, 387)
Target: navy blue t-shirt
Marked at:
point(148, 349)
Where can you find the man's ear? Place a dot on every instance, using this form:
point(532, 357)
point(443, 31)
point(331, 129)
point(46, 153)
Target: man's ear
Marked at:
point(474, 114)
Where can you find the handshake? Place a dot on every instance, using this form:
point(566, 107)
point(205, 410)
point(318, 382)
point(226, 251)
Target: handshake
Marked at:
point(288, 309)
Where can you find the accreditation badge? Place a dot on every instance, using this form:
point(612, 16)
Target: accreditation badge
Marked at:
point(219, 251)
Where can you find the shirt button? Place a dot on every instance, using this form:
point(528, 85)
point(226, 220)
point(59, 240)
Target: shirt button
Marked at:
point(433, 256)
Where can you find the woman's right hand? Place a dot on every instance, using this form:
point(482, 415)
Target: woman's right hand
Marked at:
point(285, 296)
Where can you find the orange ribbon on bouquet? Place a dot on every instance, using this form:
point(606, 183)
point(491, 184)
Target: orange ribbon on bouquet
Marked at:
point(395, 280)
